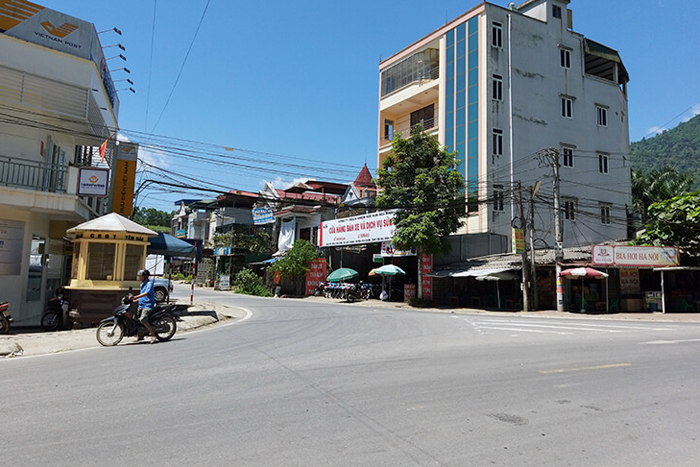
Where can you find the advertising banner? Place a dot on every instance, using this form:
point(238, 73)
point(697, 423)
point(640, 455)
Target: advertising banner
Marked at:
point(427, 281)
point(635, 256)
point(93, 182)
point(519, 241)
point(374, 227)
point(315, 275)
point(388, 251)
point(263, 216)
point(629, 281)
point(124, 180)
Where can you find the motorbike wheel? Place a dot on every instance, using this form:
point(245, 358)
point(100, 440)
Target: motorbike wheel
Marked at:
point(50, 321)
point(110, 333)
point(165, 328)
point(4, 325)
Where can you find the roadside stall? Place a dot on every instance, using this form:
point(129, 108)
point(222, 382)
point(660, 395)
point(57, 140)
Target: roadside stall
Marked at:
point(107, 254)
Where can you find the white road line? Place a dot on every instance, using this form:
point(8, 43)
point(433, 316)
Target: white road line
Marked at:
point(621, 326)
point(524, 330)
point(556, 327)
point(681, 341)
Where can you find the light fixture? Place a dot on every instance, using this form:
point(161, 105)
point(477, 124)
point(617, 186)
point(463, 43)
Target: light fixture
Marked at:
point(113, 29)
point(127, 89)
point(126, 79)
point(124, 68)
point(115, 56)
point(115, 45)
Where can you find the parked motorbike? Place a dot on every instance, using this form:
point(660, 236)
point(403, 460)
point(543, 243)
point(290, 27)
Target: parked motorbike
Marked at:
point(56, 310)
point(5, 318)
point(123, 322)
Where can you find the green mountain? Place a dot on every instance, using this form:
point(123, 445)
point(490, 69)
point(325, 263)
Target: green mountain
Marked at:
point(678, 148)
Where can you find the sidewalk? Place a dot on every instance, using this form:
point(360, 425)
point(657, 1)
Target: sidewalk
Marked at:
point(669, 317)
point(35, 341)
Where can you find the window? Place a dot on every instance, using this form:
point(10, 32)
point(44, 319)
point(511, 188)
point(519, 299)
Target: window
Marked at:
point(556, 11)
point(388, 130)
point(567, 157)
point(497, 142)
point(496, 34)
point(132, 261)
point(497, 91)
point(100, 262)
point(602, 115)
point(570, 209)
point(567, 107)
point(565, 58)
point(605, 214)
point(498, 197)
point(423, 117)
point(602, 163)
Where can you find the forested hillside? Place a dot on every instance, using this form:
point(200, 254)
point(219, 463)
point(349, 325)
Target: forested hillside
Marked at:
point(678, 148)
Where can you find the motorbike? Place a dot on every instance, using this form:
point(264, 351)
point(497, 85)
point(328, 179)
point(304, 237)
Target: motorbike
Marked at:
point(123, 322)
point(5, 318)
point(56, 310)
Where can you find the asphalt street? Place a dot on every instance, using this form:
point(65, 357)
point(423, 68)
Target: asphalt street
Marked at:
point(299, 383)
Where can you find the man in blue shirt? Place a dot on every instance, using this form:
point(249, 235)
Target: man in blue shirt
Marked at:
point(147, 301)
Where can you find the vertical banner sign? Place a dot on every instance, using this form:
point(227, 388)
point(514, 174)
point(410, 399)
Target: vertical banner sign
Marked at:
point(427, 281)
point(123, 201)
point(409, 292)
point(519, 241)
point(315, 275)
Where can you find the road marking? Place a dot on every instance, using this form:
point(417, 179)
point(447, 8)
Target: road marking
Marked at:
point(574, 328)
point(585, 368)
point(680, 341)
point(496, 328)
point(580, 325)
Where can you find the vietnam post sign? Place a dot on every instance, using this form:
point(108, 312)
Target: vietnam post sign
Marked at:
point(368, 228)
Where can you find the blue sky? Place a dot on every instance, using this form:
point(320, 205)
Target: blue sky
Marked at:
point(295, 84)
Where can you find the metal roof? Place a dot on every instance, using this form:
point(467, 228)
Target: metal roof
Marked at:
point(112, 222)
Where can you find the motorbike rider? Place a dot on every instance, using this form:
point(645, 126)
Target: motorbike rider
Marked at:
point(146, 302)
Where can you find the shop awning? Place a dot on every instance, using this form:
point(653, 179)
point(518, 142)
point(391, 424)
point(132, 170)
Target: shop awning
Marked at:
point(471, 272)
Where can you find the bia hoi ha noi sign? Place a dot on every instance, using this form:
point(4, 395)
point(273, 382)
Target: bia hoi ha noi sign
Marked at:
point(635, 256)
point(368, 228)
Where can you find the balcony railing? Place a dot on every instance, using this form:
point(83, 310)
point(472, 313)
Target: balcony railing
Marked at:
point(38, 176)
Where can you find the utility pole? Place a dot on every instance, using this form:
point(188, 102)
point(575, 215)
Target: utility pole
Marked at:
point(535, 298)
point(558, 237)
point(526, 282)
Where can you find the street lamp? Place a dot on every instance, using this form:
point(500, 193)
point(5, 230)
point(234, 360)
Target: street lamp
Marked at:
point(115, 45)
point(119, 69)
point(116, 56)
point(113, 29)
point(127, 89)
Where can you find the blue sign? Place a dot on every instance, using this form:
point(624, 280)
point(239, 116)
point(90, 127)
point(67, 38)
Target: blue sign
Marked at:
point(263, 216)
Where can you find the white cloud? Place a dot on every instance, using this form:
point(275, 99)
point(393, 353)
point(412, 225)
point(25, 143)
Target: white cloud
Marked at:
point(655, 130)
point(152, 156)
point(282, 184)
point(695, 110)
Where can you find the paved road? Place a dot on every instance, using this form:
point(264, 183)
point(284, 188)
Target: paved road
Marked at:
point(319, 384)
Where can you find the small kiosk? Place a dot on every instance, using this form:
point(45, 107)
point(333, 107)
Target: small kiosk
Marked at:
point(107, 254)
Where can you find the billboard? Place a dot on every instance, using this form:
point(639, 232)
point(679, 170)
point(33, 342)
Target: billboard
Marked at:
point(635, 256)
point(368, 228)
point(263, 216)
point(93, 182)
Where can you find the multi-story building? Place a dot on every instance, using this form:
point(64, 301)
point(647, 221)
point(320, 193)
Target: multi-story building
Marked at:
point(500, 85)
point(57, 105)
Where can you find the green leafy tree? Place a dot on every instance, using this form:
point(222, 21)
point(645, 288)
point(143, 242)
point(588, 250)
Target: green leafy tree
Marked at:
point(295, 262)
point(244, 240)
point(249, 283)
point(657, 185)
point(152, 217)
point(675, 222)
point(418, 177)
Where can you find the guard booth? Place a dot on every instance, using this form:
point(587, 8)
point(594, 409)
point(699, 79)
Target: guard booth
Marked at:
point(107, 254)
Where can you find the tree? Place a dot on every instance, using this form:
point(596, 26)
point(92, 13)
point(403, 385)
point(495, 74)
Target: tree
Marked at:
point(295, 262)
point(418, 177)
point(657, 185)
point(249, 283)
point(675, 222)
point(152, 217)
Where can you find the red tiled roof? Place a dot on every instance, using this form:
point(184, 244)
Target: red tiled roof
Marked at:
point(364, 179)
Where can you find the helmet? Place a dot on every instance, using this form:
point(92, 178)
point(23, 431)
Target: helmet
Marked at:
point(143, 272)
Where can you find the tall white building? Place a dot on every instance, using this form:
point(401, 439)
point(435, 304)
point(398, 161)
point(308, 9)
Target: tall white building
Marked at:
point(497, 86)
point(57, 103)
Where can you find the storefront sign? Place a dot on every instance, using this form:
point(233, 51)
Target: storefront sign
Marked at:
point(409, 292)
point(629, 281)
point(225, 282)
point(93, 182)
point(263, 216)
point(11, 245)
point(368, 228)
point(519, 241)
point(124, 179)
point(388, 251)
point(315, 275)
point(635, 256)
point(427, 281)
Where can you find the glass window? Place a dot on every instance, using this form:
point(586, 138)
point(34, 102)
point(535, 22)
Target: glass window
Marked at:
point(498, 198)
point(605, 214)
point(556, 11)
point(567, 156)
point(496, 34)
point(602, 163)
point(570, 209)
point(497, 91)
point(567, 106)
point(423, 65)
point(424, 117)
point(497, 142)
point(388, 130)
point(565, 58)
point(132, 261)
point(602, 116)
point(100, 261)
point(36, 269)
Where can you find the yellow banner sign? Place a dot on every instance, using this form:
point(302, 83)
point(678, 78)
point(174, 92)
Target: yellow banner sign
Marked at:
point(124, 180)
